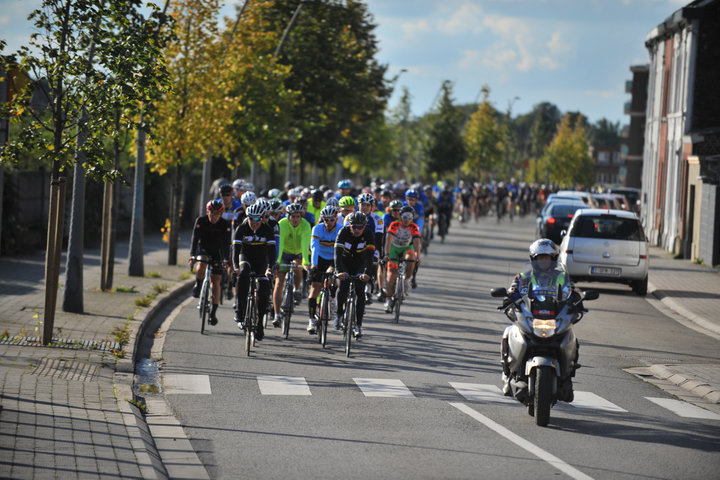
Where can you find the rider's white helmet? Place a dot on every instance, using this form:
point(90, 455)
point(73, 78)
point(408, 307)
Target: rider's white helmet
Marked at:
point(543, 246)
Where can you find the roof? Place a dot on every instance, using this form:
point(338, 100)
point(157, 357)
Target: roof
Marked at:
point(602, 211)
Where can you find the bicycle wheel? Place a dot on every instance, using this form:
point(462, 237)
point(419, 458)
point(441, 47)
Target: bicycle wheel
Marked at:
point(249, 322)
point(204, 304)
point(288, 305)
point(399, 296)
point(350, 312)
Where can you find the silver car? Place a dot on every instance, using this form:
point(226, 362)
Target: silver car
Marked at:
point(606, 246)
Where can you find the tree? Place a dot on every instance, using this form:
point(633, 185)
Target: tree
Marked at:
point(80, 98)
point(484, 140)
point(568, 155)
point(445, 149)
point(605, 132)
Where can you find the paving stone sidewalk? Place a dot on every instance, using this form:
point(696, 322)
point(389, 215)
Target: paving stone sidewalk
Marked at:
point(65, 410)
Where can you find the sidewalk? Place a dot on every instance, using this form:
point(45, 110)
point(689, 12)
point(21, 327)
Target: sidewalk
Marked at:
point(65, 410)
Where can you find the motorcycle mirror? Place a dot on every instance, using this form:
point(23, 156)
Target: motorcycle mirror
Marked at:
point(562, 233)
point(498, 292)
point(591, 295)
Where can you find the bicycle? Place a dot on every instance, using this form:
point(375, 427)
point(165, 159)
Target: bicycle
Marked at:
point(287, 305)
point(204, 302)
point(349, 319)
point(322, 314)
point(252, 317)
point(399, 294)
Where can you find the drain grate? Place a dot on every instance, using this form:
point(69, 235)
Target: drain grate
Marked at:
point(104, 346)
point(66, 370)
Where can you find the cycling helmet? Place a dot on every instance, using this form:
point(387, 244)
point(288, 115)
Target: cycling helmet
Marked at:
point(248, 198)
point(356, 218)
point(238, 184)
point(294, 208)
point(347, 202)
point(257, 209)
point(289, 185)
point(294, 192)
point(215, 206)
point(329, 194)
point(411, 193)
point(408, 209)
point(543, 246)
point(332, 202)
point(328, 211)
point(264, 205)
point(276, 205)
point(317, 194)
point(396, 205)
point(386, 193)
point(274, 192)
point(366, 198)
point(344, 184)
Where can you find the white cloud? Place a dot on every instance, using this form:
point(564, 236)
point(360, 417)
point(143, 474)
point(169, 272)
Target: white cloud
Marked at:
point(419, 26)
point(467, 18)
point(4, 20)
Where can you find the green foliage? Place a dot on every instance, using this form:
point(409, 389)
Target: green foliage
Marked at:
point(484, 140)
point(445, 149)
point(568, 155)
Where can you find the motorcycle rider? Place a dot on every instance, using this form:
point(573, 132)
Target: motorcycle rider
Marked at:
point(542, 278)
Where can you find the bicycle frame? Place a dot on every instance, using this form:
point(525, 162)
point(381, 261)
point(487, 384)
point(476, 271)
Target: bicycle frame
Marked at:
point(287, 305)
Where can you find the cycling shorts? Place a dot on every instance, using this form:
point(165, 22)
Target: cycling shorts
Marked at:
point(397, 254)
point(289, 258)
point(317, 273)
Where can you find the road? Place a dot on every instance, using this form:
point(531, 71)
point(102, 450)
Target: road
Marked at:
point(420, 399)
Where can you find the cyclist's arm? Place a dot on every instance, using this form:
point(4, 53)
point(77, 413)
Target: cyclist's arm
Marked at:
point(195, 237)
point(226, 242)
point(283, 229)
point(305, 241)
point(315, 244)
point(369, 251)
point(270, 244)
point(339, 263)
point(237, 248)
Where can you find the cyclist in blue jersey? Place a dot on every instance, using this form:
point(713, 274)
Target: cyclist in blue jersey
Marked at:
point(229, 202)
point(322, 258)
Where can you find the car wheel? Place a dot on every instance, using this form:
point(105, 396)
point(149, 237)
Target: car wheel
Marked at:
point(640, 286)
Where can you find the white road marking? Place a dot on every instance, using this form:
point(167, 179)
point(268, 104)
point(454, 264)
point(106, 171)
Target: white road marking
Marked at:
point(684, 409)
point(521, 442)
point(383, 387)
point(186, 384)
point(270, 385)
point(591, 401)
point(477, 392)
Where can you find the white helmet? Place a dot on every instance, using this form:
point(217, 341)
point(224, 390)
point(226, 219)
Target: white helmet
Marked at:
point(543, 246)
point(248, 198)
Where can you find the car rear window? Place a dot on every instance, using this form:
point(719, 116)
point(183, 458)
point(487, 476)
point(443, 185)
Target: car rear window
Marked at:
point(565, 210)
point(608, 226)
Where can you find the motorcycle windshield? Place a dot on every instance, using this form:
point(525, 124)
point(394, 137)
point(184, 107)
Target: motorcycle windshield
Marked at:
point(548, 290)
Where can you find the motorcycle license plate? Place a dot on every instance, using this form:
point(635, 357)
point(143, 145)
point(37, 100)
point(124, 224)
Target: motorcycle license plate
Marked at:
point(604, 271)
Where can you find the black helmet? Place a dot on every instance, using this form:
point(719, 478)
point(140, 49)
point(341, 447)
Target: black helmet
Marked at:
point(289, 185)
point(356, 218)
point(226, 189)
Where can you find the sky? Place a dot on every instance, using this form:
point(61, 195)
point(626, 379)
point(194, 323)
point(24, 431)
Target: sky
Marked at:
point(575, 54)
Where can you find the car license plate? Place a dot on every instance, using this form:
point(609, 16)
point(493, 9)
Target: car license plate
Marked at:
point(604, 271)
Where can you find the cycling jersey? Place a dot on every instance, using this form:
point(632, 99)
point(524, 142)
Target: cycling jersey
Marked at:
point(229, 213)
point(212, 239)
point(403, 236)
point(256, 247)
point(322, 243)
point(315, 212)
point(294, 240)
point(419, 217)
point(354, 254)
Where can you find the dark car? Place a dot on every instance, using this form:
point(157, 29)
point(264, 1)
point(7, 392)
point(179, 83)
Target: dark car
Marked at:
point(556, 218)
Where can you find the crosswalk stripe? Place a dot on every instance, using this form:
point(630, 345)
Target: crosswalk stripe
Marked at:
point(186, 384)
point(383, 387)
point(684, 409)
point(477, 392)
point(272, 385)
point(591, 401)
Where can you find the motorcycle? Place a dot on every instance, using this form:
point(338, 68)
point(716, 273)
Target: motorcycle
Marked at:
point(539, 350)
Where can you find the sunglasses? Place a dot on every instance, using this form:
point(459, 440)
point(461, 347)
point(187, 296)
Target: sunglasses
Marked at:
point(225, 194)
point(255, 219)
point(329, 219)
point(358, 227)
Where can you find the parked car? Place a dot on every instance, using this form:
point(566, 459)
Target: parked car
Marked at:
point(607, 201)
point(631, 194)
point(556, 219)
point(584, 196)
point(606, 246)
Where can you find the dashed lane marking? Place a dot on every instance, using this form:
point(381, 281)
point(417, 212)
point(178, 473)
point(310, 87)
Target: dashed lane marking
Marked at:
point(186, 384)
point(590, 401)
point(383, 387)
point(684, 409)
point(271, 385)
point(477, 392)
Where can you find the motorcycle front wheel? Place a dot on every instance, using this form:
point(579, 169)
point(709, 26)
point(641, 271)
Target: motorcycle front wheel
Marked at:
point(543, 394)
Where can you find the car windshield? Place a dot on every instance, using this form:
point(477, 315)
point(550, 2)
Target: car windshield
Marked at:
point(607, 226)
point(565, 210)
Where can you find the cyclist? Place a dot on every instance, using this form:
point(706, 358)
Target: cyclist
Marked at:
point(344, 187)
point(444, 207)
point(247, 199)
point(513, 191)
point(347, 206)
point(375, 224)
point(294, 247)
point(392, 214)
point(211, 237)
point(229, 202)
point(253, 251)
point(322, 243)
point(354, 250)
point(411, 199)
point(402, 242)
point(316, 204)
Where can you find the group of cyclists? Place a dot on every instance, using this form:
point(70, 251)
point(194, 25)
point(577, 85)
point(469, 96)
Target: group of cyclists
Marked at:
point(360, 235)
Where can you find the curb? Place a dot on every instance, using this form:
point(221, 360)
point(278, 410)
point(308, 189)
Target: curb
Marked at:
point(673, 305)
point(699, 388)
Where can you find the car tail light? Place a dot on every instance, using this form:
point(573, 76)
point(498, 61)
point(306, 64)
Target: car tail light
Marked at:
point(551, 220)
point(643, 257)
point(569, 252)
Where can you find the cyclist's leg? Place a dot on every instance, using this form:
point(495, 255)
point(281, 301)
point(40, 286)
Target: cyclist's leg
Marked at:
point(263, 295)
point(243, 283)
point(360, 295)
point(410, 256)
point(215, 281)
point(342, 295)
point(278, 291)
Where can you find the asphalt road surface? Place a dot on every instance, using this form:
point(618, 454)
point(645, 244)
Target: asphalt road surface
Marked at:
point(421, 399)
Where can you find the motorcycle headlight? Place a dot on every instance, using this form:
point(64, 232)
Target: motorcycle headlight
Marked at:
point(544, 328)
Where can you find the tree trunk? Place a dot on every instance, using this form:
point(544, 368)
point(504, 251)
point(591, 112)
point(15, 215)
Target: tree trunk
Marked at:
point(56, 224)
point(110, 201)
point(73, 297)
point(175, 209)
point(135, 254)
